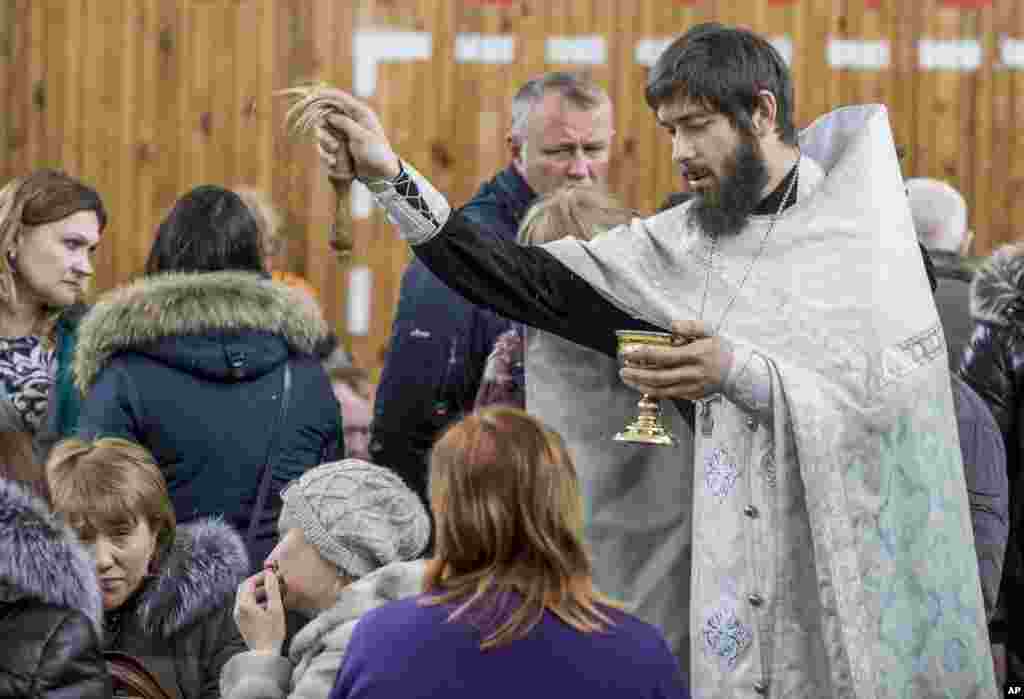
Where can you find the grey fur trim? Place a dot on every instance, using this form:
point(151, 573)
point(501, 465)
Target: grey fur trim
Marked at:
point(386, 584)
point(177, 303)
point(200, 575)
point(392, 582)
point(997, 291)
point(42, 558)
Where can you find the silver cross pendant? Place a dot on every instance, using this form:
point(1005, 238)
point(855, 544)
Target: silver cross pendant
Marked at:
point(707, 418)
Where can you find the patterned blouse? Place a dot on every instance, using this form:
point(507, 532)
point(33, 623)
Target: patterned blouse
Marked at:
point(26, 370)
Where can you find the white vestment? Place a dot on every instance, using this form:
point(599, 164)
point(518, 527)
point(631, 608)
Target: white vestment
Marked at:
point(832, 548)
point(832, 545)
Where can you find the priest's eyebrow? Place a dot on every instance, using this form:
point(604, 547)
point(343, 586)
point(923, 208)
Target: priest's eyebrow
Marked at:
point(686, 119)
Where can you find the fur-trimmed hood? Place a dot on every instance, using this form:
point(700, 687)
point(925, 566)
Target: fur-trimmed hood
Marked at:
point(997, 292)
point(199, 576)
point(204, 323)
point(41, 557)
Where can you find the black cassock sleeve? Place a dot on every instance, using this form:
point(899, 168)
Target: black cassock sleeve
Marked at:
point(524, 283)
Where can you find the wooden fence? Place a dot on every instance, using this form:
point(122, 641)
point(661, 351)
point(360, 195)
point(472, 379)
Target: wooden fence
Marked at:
point(147, 98)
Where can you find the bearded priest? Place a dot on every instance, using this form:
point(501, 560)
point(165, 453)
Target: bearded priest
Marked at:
point(831, 536)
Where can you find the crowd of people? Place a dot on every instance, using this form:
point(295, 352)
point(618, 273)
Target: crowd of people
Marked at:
point(195, 476)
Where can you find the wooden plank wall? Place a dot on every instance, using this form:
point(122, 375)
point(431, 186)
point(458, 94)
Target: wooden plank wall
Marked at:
point(147, 98)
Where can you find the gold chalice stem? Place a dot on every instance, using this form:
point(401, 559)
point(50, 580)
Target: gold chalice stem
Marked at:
point(647, 427)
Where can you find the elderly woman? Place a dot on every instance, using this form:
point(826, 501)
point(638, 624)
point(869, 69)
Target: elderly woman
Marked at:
point(50, 224)
point(167, 591)
point(508, 608)
point(211, 366)
point(50, 606)
point(347, 529)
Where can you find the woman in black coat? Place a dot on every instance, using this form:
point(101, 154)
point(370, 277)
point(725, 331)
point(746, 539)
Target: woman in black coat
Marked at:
point(190, 360)
point(50, 606)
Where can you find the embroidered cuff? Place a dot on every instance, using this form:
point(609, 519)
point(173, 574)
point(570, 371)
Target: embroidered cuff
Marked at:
point(749, 382)
point(412, 204)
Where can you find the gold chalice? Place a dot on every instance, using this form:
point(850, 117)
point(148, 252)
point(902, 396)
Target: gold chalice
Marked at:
point(647, 427)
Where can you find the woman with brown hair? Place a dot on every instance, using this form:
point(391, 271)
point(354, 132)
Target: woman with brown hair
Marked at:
point(509, 608)
point(50, 224)
point(168, 592)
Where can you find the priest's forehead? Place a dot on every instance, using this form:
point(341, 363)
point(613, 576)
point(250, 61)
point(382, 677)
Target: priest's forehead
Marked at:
point(683, 108)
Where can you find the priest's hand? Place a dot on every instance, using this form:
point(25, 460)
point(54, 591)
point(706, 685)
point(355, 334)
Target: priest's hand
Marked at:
point(694, 368)
point(353, 142)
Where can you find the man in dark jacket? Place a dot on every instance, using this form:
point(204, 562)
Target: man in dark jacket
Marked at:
point(940, 219)
point(561, 132)
point(50, 605)
point(984, 457)
point(993, 364)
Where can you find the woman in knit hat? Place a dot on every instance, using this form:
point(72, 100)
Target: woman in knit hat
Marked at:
point(509, 608)
point(348, 533)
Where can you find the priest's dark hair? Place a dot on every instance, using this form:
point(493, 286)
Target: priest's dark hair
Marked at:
point(209, 229)
point(724, 69)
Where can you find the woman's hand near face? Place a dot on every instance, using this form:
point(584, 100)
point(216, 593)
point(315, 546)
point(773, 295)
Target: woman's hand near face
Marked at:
point(259, 613)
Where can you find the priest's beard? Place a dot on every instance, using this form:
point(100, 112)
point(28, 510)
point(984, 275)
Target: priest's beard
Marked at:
point(723, 210)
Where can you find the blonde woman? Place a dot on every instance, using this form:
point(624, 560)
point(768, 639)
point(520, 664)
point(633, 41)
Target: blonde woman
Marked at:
point(579, 211)
point(50, 225)
point(168, 591)
point(509, 608)
point(576, 210)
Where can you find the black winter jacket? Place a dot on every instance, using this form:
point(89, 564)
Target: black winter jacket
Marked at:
point(191, 367)
point(439, 345)
point(993, 365)
point(50, 605)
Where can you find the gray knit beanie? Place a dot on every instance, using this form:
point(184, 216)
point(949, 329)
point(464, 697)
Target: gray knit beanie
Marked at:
point(358, 516)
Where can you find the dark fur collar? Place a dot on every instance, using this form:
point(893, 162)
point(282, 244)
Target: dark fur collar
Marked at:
point(199, 576)
point(41, 557)
point(997, 291)
point(175, 304)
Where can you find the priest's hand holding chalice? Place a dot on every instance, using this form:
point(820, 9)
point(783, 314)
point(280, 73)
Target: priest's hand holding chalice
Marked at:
point(688, 363)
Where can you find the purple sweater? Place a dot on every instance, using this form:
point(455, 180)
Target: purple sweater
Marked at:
point(406, 650)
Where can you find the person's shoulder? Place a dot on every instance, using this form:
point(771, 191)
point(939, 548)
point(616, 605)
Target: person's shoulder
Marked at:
point(500, 203)
point(45, 617)
point(403, 611)
point(50, 628)
point(629, 625)
point(665, 222)
point(45, 638)
point(403, 625)
point(971, 407)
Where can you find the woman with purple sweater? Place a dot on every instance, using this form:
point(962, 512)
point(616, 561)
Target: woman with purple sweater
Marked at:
point(509, 608)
